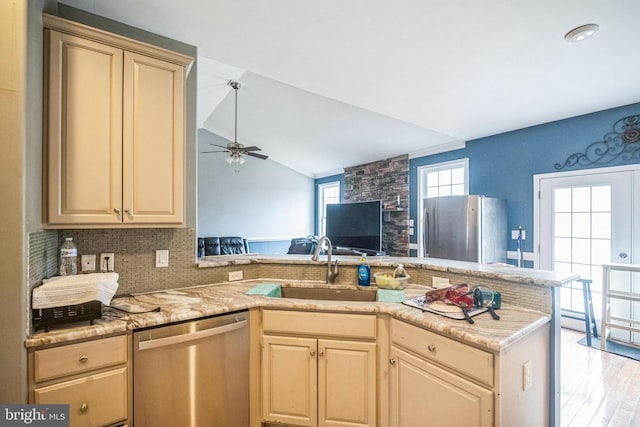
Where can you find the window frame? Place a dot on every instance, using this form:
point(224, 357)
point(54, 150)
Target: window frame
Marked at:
point(321, 204)
point(422, 173)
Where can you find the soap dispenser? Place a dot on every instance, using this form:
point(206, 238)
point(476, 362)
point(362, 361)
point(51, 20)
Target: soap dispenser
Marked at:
point(364, 271)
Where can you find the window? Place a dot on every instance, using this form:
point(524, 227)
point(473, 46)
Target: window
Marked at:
point(444, 179)
point(438, 180)
point(328, 193)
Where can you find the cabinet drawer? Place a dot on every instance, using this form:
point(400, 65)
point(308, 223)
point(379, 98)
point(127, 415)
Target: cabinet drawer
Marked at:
point(82, 357)
point(465, 359)
point(320, 324)
point(94, 400)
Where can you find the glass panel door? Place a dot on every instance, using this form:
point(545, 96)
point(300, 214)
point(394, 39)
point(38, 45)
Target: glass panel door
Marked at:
point(585, 221)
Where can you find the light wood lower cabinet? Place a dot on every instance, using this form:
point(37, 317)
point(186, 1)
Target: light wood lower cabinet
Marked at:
point(92, 377)
point(439, 381)
point(319, 381)
point(424, 394)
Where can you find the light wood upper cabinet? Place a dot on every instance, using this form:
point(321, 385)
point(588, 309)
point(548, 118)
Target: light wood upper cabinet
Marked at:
point(84, 144)
point(153, 147)
point(115, 139)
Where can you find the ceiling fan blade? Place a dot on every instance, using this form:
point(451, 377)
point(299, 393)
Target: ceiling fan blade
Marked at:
point(259, 156)
point(252, 148)
point(216, 151)
point(216, 145)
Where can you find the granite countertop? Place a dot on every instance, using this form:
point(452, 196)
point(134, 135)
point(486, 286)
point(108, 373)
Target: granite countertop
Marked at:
point(195, 302)
point(487, 271)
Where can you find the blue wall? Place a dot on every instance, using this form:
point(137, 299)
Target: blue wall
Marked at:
point(503, 165)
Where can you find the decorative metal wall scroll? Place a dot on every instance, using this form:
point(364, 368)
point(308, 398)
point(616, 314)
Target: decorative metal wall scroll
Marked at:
point(623, 142)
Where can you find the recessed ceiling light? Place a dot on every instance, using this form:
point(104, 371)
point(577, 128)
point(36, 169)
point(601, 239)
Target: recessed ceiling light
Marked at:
point(580, 33)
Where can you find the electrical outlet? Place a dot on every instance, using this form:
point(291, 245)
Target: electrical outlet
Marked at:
point(88, 262)
point(526, 375)
point(162, 258)
point(235, 275)
point(107, 262)
point(410, 231)
point(514, 234)
point(439, 282)
point(411, 223)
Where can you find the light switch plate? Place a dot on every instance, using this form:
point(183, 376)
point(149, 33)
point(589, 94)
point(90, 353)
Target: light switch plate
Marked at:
point(107, 265)
point(88, 262)
point(526, 375)
point(162, 258)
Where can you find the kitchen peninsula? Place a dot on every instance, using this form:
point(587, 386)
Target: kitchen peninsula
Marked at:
point(484, 365)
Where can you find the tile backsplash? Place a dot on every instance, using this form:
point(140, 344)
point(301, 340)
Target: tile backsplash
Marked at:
point(43, 256)
point(134, 251)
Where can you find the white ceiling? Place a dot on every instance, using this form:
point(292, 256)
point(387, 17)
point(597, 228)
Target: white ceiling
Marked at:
point(333, 84)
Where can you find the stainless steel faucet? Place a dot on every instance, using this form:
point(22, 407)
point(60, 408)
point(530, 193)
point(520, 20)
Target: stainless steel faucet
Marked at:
point(331, 273)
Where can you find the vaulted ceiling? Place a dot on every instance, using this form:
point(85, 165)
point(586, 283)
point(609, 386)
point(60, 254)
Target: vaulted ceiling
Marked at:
point(333, 84)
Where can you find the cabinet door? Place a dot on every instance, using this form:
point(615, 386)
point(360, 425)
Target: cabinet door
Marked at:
point(423, 394)
point(153, 141)
point(84, 148)
point(96, 400)
point(289, 380)
point(346, 383)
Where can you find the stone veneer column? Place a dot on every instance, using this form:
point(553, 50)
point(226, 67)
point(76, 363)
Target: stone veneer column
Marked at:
point(384, 180)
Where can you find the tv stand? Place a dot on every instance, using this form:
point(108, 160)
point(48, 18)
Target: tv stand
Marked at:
point(342, 250)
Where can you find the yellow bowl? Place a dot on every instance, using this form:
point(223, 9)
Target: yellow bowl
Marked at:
point(387, 281)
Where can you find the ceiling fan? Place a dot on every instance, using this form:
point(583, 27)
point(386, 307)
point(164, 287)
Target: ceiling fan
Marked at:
point(235, 149)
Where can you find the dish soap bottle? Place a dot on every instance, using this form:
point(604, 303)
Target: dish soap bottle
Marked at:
point(399, 271)
point(364, 271)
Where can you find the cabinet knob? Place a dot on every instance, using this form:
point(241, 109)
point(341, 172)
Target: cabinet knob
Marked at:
point(392, 362)
point(84, 407)
point(431, 348)
point(312, 353)
point(127, 211)
point(321, 353)
point(83, 359)
point(117, 210)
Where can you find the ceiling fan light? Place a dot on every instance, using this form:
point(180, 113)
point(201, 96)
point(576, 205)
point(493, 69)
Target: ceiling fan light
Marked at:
point(235, 158)
point(581, 33)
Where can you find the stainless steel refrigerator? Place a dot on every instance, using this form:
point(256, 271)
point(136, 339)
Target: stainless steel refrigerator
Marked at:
point(466, 228)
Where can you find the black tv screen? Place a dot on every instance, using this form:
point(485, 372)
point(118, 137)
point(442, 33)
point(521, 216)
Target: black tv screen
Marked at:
point(355, 225)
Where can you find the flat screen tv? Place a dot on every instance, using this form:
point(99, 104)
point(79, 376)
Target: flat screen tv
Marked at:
point(355, 225)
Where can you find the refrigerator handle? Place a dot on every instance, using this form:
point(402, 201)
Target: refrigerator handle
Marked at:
point(425, 235)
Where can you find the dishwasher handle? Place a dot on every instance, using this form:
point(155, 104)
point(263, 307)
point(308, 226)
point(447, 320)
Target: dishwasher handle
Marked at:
point(177, 339)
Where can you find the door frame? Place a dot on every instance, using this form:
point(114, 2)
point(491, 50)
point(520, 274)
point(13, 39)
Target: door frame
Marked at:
point(635, 204)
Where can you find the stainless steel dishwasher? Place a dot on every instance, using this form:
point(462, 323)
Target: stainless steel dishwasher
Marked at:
point(192, 374)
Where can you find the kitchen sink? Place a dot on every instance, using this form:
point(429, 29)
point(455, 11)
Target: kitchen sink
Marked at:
point(332, 294)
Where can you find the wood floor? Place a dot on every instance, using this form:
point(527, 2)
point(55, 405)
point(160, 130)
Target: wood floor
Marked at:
point(598, 388)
